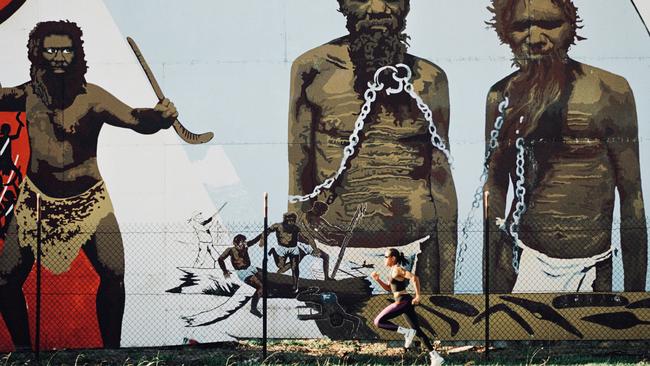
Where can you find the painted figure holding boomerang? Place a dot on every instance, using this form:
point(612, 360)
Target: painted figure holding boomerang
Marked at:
point(65, 115)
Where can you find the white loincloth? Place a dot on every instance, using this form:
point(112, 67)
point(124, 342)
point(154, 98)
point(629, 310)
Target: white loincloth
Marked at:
point(243, 274)
point(541, 273)
point(287, 251)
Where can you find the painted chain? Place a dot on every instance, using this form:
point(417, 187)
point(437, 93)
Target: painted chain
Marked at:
point(370, 95)
point(520, 207)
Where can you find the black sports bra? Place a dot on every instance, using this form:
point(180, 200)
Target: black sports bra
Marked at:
point(397, 285)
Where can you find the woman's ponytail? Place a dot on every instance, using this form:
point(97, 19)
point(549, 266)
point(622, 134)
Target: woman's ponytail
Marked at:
point(399, 256)
point(401, 259)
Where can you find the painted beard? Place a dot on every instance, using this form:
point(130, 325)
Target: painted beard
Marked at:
point(372, 49)
point(54, 90)
point(539, 85)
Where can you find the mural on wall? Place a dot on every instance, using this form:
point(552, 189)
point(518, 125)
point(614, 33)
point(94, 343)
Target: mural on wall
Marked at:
point(65, 115)
point(370, 166)
point(354, 140)
point(330, 304)
point(566, 134)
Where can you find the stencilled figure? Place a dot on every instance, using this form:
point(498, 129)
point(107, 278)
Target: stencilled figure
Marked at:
point(205, 239)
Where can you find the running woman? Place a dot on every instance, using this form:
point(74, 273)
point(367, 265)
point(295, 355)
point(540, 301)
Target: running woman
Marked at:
point(404, 303)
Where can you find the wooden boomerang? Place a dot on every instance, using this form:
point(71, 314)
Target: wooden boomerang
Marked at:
point(183, 133)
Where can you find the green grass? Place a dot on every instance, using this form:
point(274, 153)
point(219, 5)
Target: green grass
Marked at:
point(349, 353)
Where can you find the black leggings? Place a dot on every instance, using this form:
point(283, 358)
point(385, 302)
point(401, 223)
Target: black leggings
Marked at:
point(404, 307)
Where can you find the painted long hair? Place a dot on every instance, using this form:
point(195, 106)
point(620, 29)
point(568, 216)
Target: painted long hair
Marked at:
point(50, 89)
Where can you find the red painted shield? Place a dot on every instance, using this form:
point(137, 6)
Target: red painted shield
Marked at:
point(19, 150)
point(68, 318)
point(8, 8)
point(18, 153)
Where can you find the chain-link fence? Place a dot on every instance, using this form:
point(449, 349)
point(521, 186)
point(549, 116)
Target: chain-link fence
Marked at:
point(201, 281)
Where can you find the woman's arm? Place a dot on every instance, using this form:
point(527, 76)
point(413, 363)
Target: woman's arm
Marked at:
point(416, 283)
point(384, 285)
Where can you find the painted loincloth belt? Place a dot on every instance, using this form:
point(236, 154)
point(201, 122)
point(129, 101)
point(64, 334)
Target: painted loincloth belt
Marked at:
point(66, 223)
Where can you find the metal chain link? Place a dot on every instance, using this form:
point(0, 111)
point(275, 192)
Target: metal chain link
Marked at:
point(370, 95)
point(478, 194)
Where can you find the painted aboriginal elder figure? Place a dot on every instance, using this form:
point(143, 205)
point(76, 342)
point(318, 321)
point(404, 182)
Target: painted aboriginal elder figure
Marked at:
point(573, 128)
point(65, 115)
point(405, 182)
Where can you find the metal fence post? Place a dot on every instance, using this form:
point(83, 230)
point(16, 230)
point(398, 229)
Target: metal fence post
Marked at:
point(264, 275)
point(486, 253)
point(39, 253)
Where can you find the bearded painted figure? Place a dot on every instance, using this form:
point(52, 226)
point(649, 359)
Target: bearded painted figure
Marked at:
point(405, 182)
point(64, 117)
point(570, 140)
